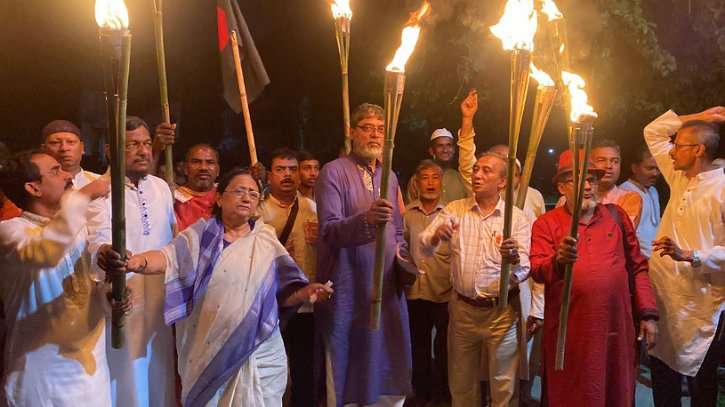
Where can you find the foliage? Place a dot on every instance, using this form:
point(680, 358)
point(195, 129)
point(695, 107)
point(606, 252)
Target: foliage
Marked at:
point(639, 57)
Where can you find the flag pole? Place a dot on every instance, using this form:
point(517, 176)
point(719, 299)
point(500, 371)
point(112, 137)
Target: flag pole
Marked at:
point(243, 99)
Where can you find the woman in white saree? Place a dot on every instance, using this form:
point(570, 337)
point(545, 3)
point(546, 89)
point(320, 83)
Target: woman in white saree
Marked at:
point(227, 281)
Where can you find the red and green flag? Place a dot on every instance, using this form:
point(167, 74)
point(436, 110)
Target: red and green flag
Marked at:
point(230, 18)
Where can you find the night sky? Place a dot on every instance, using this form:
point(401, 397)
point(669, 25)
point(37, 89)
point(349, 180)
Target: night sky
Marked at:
point(51, 69)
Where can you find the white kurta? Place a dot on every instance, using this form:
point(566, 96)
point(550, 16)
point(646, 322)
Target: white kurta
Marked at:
point(55, 351)
point(142, 372)
point(690, 299)
point(83, 178)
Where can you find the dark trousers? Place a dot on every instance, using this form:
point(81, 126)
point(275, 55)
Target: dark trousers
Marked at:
point(666, 383)
point(430, 371)
point(298, 336)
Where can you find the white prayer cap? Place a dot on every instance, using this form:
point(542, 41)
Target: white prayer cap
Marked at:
point(441, 133)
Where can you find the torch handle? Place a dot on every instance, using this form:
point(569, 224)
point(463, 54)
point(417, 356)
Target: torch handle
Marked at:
point(346, 112)
point(394, 87)
point(342, 35)
point(118, 177)
point(163, 84)
point(578, 136)
point(243, 99)
point(520, 61)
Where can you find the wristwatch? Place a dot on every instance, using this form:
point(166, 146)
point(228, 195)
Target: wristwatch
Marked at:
point(695, 259)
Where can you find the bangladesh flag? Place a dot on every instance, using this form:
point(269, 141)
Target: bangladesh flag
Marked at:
point(229, 18)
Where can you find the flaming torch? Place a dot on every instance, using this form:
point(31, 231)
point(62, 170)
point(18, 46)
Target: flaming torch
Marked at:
point(342, 14)
point(112, 20)
point(546, 94)
point(394, 88)
point(581, 129)
point(158, 9)
point(516, 31)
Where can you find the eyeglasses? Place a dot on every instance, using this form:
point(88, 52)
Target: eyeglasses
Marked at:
point(369, 128)
point(242, 192)
point(679, 146)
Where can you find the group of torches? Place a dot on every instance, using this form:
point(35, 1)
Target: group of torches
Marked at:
point(516, 29)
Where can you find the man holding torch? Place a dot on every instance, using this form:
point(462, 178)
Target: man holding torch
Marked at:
point(474, 228)
point(142, 371)
point(610, 287)
point(355, 364)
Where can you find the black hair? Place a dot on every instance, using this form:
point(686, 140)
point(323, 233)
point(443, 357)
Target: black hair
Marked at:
point(134, 122)
point(224, 183)
point(15, 172)
point(284, 153)
point(305, 155)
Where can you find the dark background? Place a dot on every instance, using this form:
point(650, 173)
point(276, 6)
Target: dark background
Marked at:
point(639, 59)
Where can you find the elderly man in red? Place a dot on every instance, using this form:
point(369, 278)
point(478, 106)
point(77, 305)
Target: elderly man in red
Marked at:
point(610, 289)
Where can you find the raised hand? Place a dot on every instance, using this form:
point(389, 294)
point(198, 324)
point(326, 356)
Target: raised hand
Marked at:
point(469, 106)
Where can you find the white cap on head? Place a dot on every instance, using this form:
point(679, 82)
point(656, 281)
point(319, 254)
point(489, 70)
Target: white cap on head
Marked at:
point(441, 133)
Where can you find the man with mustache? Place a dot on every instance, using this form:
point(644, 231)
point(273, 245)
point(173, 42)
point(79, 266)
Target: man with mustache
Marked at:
point(356, 365)
point(294, 218)
point(62, 140)
point(644, 177)
point(142, 372)
point(54, 313)
point(606, 155)
point(473, 227)
point(610, 287)
point(195, 199)
point(689, 256)
point(309, 171)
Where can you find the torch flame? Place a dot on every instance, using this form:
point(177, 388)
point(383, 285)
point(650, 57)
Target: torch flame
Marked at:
point(341, 9)
point(408, 39)
point(517, 26)
point(549, 8)
point(111, 14)
point(580, 108)
point(541, 77)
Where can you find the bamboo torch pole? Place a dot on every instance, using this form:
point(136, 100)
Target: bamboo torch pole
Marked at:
point(582, 117)
point(394, 89)
point(580, 141)
point(546, 94)
point(115, 38)
point(342, 14)
point(243, 99)
point(516, 30)
point(158, 10)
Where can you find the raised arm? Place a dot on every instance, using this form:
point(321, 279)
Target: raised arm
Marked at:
point(47, 248)
point(466, 138)
point(657, 135)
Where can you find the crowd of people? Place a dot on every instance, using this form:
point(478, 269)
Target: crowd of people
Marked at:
point(253, 287)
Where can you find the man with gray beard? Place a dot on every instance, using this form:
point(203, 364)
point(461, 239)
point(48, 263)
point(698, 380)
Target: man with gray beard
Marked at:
point(358, 366)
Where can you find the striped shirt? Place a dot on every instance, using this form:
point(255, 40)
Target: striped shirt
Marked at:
point(475, 257)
